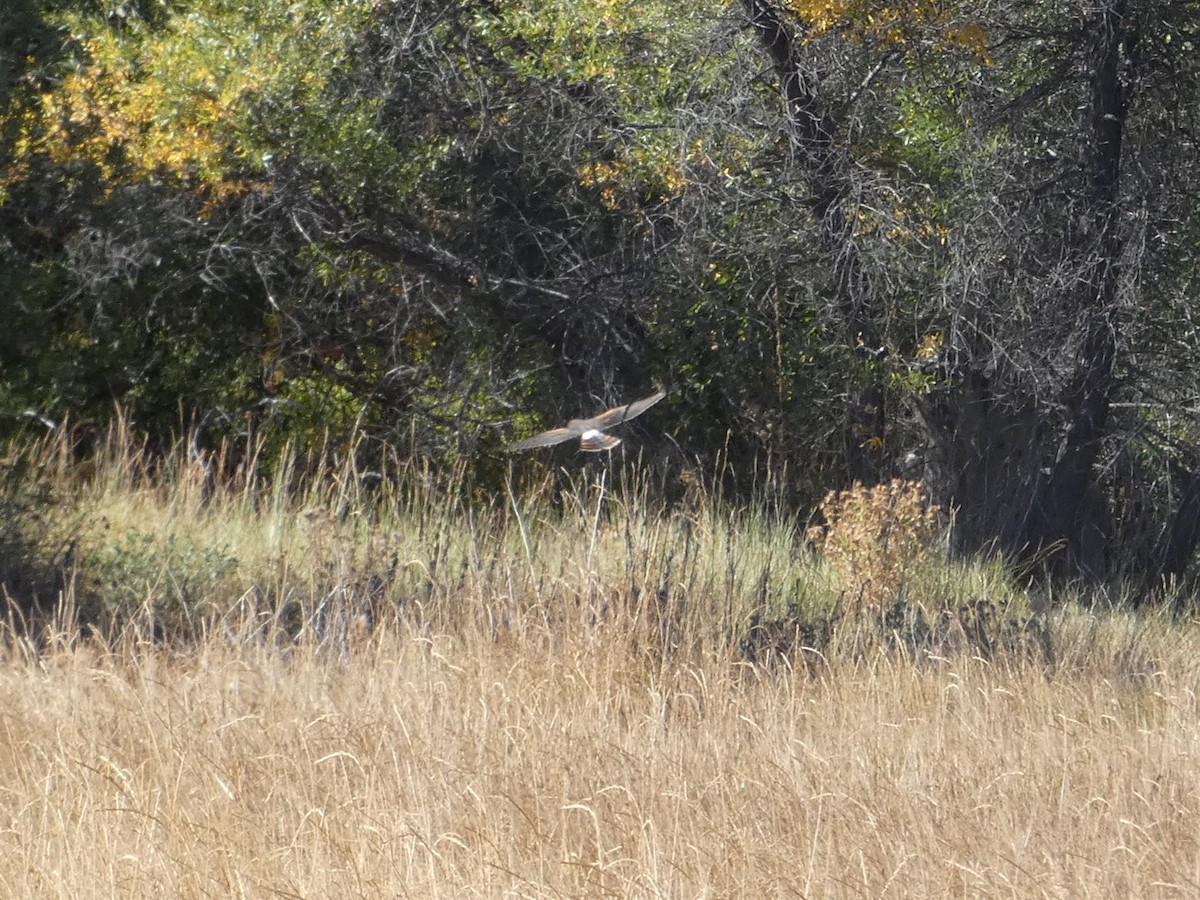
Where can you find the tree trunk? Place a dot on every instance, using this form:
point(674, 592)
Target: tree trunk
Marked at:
point(1021, 473)
point(1068, 508)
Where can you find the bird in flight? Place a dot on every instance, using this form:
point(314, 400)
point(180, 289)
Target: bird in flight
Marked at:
point(590, 431)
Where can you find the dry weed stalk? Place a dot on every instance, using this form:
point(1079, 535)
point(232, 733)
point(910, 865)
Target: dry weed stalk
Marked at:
point(876, 537)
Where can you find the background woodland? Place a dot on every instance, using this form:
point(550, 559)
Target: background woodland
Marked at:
point(952, 241)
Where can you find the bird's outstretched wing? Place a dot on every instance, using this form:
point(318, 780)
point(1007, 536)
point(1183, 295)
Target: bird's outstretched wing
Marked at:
point(545, 439)
point(619, 414)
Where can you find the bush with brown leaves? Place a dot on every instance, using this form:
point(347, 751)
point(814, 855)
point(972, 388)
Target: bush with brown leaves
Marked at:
point(876, 537)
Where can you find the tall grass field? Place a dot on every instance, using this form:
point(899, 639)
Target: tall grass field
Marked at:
point(396, 684)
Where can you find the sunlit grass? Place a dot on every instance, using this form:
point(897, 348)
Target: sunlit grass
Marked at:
point(409, 687)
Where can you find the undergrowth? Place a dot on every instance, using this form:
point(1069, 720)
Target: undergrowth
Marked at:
point(179, 543)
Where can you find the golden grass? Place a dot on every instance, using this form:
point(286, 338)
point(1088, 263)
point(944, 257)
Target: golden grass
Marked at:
point(538, 708)
point(430, 765)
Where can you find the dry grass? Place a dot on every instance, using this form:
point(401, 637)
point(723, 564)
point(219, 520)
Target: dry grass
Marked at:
point(427, 764)
point(433, 696)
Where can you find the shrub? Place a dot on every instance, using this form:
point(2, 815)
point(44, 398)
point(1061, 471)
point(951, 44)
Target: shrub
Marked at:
point(874, 538)
point(38, 531)
point(169, 577)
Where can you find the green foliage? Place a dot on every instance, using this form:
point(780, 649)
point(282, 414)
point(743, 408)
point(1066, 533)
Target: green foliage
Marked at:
point(421, 223)
point(169, 577)
point(37, 532)
point(170, 92)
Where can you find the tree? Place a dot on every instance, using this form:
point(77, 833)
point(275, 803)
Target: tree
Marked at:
point(857, 238)
point(1043, 288)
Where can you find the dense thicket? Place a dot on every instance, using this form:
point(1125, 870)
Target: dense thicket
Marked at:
point(953, 240)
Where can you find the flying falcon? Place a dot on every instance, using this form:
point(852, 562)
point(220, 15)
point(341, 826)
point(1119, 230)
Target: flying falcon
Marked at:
point(590, 431)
